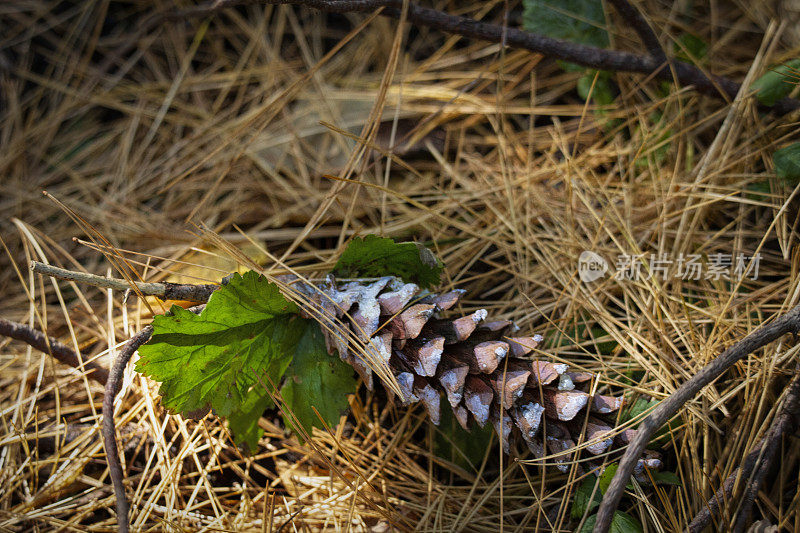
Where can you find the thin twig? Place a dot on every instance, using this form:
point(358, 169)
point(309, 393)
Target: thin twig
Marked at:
point(109, 430)
point(788, 323)
point(786, 419)
point(167, 291)
point(634, 17)
point(588, 56)
point(785, 423)
point(49, 345)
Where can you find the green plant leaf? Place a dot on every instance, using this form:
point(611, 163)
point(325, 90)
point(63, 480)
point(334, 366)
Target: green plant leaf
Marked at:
point(787, 163)
point(579, 21)
point(690, 48)
point(620, 523)
point(624, 523)
point(453, 443)
point(636, 409)
point(588, 526)
point(777, 83)
point(375, 256)
point(607, 476)
point(316, 380)
point(666, 478)
point(583, 502)
point(243, 421)
point(248, 329)
point(603, 91)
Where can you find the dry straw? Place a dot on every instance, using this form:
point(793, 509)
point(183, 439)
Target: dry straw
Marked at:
point(150, 128)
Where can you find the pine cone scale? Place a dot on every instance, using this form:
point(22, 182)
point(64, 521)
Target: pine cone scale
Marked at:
point(484, 370)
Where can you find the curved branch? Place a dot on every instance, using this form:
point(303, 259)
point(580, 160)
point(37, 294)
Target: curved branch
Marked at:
point(56, 349)
point(786, 422)
point(787, 418)
point(109, 430)
point(588, 56)
point(788, 323)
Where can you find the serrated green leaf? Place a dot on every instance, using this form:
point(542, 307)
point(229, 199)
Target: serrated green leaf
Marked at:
point(247, 329)
point(316, 380)
point(579, 21)
point(243, 421)
point(375, 256)
point(583, 502)
point(666, 478)
point(607, 476)
point(777, 83)
point(453, 443)
point(787, 163)
point(622, 522)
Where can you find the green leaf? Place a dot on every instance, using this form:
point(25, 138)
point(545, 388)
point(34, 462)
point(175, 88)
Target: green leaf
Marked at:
point(453, 443)
point(759, 190)
point(602, 93)
point(607, 476)
point(583, 502)
point(248, 329)
point(624, 523)
point(664, 435)
point(666, 478)
point(243, 421)
point(690, 48)
point(777, 83)
point(588, 526)
point(316, 380)
point(375, 256)
point(620, 523)
point(579, 21)
point(636, 409)
point(787, 163)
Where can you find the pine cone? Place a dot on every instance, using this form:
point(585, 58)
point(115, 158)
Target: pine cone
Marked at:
point(486, 372)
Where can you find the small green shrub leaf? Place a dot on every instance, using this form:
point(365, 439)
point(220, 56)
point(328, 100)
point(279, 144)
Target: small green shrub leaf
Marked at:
point(787, 163)
point(603, 91)
point(247, 329)
point(314, 379)
point(607, 476)
point(588, 526)
point(463, 448)
point(375, 256)
point(624, 523)
point(583, 502)
point(620, 523)
point(691, 48)
point(579, 21)
point(243, 421)
point(777, 83)
point(666, 478)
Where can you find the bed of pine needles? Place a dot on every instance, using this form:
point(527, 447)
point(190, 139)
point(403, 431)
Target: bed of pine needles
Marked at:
point(174, 142)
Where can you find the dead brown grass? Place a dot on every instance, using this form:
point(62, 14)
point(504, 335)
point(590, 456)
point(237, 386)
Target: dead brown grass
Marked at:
point(148, 128)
